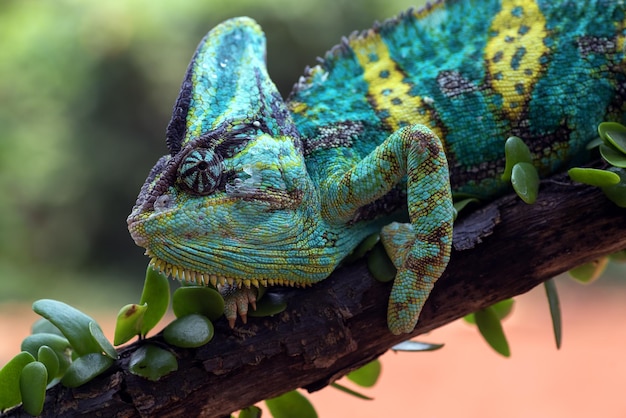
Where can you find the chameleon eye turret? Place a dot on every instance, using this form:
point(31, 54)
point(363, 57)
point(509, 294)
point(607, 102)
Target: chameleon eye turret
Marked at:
point(200, 171)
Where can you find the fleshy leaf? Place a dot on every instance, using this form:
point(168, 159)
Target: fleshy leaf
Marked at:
point(613, 156)
point(85, 368)
point(73, 323)
point(363, 248)
point(555, 310)
point(515, 151)
point(48, 357)
point(593, 176)
point(60, 345)
point(589, 272)
point(617, 192)
point(156, 294)
point(380, 265)
point(350, 391)
point(10, 380)
point(270, 305)
point(502, 309)
point(198, 300)
point(291, 404)
point(129, 322)
point(525, 181)
point(250, 412)
point(42, 325)
point(416, 346)
point(33, 381)
point(619, 256)
point(594, 143)
point(105, 344)
point(152, 362)
point(461, 204)
point(367, 375)
point(614, 133)
point(491, 329)
point(189, 331)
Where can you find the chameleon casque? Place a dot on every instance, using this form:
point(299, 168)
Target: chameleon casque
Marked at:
point(261, 191)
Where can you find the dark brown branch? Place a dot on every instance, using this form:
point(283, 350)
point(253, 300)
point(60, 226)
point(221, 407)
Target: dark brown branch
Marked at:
point(501, 250)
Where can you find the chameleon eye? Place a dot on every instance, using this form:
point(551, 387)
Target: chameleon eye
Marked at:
point(200, 171)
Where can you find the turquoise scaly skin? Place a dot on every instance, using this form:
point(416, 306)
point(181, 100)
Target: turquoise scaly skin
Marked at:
point(257, 190)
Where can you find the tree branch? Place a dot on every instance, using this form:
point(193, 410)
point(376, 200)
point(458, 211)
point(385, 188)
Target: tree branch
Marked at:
point(502, 250)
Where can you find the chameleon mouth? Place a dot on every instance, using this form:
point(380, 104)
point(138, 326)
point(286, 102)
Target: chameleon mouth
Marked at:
point(205, 279)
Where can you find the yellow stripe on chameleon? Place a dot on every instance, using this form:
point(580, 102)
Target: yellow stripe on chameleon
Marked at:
point(516, 50)
point(388, 92)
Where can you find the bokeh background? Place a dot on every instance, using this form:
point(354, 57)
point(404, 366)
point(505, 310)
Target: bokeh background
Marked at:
point(86, 91)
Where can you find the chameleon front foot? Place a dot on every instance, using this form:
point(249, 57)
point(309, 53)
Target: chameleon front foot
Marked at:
point(420, 262)
point(236, 302)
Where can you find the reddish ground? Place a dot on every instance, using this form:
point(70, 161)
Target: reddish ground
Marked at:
point(587, 377)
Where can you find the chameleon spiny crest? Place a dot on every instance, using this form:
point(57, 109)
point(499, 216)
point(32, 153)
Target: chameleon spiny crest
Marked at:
point(257, 190)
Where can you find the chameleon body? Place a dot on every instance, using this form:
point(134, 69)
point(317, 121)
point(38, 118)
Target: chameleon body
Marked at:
point(257, 190)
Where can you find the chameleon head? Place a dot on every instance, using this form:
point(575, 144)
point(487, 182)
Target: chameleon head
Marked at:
point(233, 201)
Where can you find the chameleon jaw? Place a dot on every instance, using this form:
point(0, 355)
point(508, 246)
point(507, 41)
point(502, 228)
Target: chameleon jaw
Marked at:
point(239, 294)
point(205, 279)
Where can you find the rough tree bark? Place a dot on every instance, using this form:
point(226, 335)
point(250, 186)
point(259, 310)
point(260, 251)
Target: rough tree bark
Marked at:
point(501, 250)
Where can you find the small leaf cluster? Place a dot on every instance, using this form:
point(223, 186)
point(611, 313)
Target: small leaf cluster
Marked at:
point(66, 346)
point(195, 307)
point(519, 169)
point(612, 147)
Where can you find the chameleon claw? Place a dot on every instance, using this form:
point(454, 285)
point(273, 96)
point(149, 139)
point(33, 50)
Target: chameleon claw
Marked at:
point(237, 302)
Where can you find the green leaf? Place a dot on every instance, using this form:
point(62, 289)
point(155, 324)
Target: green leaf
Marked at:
point(618, 257)
point(380, 265)
point(152, 362)
point(461, 204)
point(515, 151)
point(85, 368)
point(617, 193)
point(614, 133)
point(594, 143)
point(10, 380)
point(363, 248)
point(491, 329)
point(156, 294)
point(367, 375)
point(502, 310)
point(350, 391)
point(289, 405)
point(198, 300)
point(416, 346)
point(105, 344)
point(189, 331)
point(60, 345)
point(270, 305)
point(589, 272)
point(250, 412)
point(129, 322)
point(73, 324)
point(613, 156)
point(42, 326)
point(593, 176)
point(48, 357)
point(525, 181)
point(555, 310)
point(33, 381)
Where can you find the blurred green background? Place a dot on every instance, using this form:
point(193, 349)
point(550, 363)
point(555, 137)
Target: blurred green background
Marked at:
point(86, 91)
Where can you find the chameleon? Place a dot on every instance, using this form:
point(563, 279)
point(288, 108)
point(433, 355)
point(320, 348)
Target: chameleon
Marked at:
point(258, 190)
